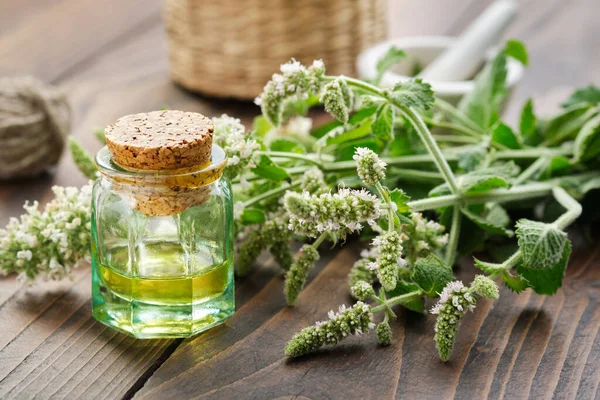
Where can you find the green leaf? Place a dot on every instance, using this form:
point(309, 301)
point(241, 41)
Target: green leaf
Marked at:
point(528, 120)
point(431, 274)
point(481, 180)
point(401, 199)
point(358, 132)
point(287, 145)
point(383, 127)
point(83, 159)
point(517, 50)
point(415, 304)
point(498, 215)
point(547, 281)
point(261, 126)
point(346, 151)
point(482, 104)
point(471, 159)
point(392, 57)
point(589, 95)
point(541, 244)
point(587, 143)
point(354, 119)
point(567, 124)
point(485, 224)
point(558, 164)
point(516, 283)
point(413, 93)
point(505, 136)
point(252, 216)
point(361, 115)
point(269, 170)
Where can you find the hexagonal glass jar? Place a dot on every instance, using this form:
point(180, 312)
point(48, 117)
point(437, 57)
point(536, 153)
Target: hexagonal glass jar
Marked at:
point(162, 252)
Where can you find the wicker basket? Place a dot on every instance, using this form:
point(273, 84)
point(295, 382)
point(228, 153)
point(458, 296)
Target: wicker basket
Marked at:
point(230, 48)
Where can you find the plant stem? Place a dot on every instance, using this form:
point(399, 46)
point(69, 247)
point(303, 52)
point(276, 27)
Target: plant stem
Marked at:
point(398, 300)
point(319, 240)
point(539, 164)
point(454, 235)
point(570, 204)
point(458, 128)
point(430, 143)
point(270, 193)
point(455, 139)
point(388, 201)
point(295, 156)
point(403, 173)
point(454, 112)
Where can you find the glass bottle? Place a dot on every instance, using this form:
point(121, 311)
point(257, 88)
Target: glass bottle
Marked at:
point(162, 251)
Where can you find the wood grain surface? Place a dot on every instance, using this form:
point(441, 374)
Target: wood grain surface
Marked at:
point(110, 58)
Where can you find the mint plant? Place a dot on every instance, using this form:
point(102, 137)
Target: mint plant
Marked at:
point(422, 180)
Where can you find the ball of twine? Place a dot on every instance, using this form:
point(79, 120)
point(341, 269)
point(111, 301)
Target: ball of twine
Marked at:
point(35, 119)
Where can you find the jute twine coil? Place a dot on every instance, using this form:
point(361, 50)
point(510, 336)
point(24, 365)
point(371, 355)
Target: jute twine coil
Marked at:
point(35, 119)
point(230, 48)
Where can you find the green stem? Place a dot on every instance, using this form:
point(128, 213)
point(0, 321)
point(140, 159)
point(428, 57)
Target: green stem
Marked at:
point(454, 235)
point(431, 145)
point(403, 173)
point(270, 193)
point(454, 112)
point(403, 298)
point(388, 202)
point(295, 156)
point(455, 139)
point(534, 168)
point(319, 240)
point(570, 204)
point(458, 128)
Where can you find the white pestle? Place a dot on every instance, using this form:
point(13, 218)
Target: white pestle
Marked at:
point(462, 60)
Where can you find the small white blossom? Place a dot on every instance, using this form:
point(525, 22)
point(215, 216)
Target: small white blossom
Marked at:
point(231, 135)
point(50, 242)
point(370, 168)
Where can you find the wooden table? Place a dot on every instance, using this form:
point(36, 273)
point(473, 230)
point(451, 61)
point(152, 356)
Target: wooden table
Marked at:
point(110, 58)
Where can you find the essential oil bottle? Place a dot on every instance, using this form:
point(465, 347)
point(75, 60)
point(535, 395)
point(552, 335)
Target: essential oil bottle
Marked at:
point(162, 226)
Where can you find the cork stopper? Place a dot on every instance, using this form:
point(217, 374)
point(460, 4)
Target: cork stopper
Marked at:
point(160, 140)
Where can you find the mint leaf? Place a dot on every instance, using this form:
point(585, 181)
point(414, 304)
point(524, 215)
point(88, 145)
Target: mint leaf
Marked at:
point(516, 283)
point(567, 124)
point(482, 104)
point(587, 143)
point(589, 95)
point(413, 93)
point(431, 274)
point(252, 216)
point(415, 304)
point(485, 224)
point(269, 170)
point(346, 151)
point(517, 50)
point(287, 145)
point(541, 244)
point(383, 127)
point(481, 180)
point(498, 216)
point(401, 199)
point(547, 281)
point(528, 120)
point(504, 135)
point(471, 159)
point(392, 57)
point(357, 132)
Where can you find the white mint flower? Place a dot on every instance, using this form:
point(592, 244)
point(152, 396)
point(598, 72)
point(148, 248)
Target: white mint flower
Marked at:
point(370, 168)
point(231, 135)
point(295, 82)
point(51, 242)
point(455, 301)
point(340, 213)
point(389, 259)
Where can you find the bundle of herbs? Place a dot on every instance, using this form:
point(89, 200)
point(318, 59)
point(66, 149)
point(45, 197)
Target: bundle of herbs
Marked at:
point(422, 180)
